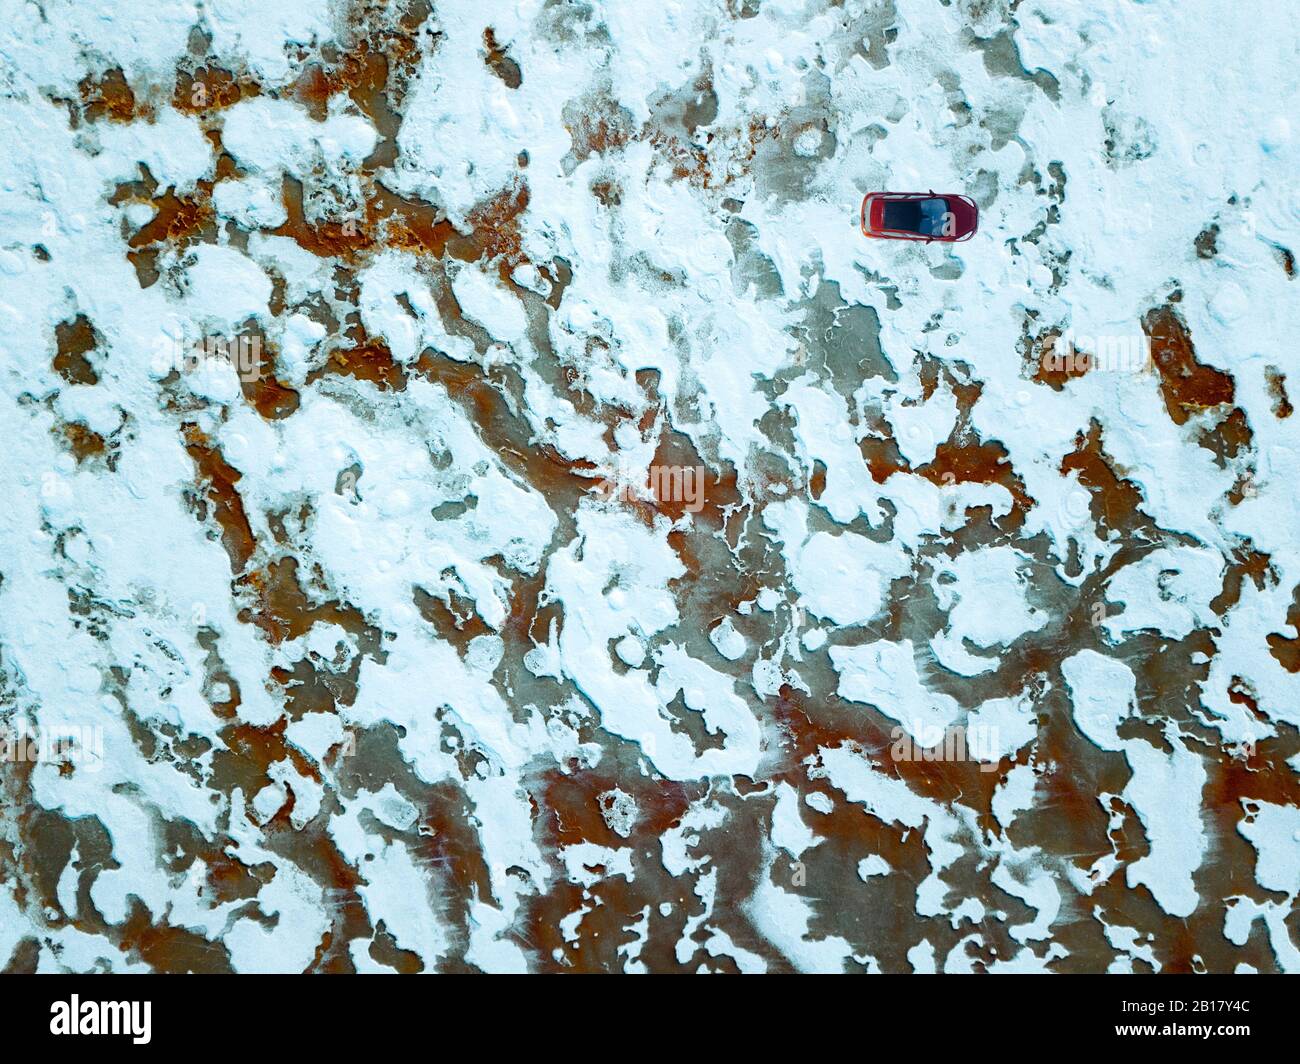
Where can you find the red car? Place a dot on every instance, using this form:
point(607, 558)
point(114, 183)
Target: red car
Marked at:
point(919, 216)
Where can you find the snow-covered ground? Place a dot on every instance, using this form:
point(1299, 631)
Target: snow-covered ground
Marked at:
point(473, 496)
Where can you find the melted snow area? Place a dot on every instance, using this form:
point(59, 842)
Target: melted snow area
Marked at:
point(474, 499)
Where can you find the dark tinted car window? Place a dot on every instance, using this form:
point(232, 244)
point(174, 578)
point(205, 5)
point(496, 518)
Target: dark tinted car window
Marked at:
point(903, 216)
point(924, 217)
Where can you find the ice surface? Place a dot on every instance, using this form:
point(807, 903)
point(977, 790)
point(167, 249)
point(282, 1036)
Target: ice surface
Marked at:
point(474, 497)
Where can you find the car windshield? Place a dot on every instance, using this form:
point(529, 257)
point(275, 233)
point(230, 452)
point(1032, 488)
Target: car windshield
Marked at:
point(925, 217)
